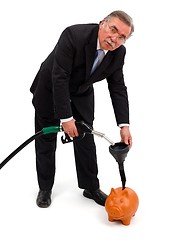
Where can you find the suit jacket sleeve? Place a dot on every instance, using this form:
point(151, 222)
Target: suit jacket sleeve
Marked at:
point(118, 92)
point(61, 72)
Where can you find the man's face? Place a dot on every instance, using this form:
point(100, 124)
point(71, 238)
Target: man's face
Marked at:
point(112, 34)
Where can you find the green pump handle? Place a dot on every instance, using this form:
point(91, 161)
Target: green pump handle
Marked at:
point(52, 129)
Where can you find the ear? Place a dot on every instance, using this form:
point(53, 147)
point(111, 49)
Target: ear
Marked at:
point(102, 23)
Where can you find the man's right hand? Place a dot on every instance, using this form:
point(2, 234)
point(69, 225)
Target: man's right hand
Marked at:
point(69, 127)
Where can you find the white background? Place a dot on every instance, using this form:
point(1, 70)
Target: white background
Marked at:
point(29, 31)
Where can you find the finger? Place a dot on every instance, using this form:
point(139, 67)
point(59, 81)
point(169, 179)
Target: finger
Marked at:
point(76, 132)
point(125, 140)
point(129, 141)
point(72, 133)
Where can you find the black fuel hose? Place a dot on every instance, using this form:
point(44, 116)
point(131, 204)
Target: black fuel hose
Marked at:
point(44, 131)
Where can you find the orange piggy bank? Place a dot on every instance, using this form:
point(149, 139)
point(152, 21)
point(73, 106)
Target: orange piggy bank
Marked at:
point(121, 205)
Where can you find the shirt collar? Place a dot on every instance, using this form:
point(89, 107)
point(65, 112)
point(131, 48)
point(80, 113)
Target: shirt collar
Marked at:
point(98, 47)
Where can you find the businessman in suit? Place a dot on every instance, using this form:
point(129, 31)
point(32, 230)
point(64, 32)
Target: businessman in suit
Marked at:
point(63, 93)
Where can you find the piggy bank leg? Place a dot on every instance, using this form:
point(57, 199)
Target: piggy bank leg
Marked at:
point(111, 219)
point(126, 221)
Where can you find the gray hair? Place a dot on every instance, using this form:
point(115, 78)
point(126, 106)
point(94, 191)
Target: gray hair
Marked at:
point(124, 17)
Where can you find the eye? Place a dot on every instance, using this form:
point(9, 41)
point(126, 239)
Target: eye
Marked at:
point(113, 30)
point(122, 38)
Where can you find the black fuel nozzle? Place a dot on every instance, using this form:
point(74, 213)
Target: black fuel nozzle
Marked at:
point(119, 152)
point(82, 128)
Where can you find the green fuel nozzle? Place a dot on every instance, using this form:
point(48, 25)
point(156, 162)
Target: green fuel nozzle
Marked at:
point(52, 129)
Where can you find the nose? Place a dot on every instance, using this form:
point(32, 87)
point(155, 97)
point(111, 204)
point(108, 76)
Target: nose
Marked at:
point(114, 38)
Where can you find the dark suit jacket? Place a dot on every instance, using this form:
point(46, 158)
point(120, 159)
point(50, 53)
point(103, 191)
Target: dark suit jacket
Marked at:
point(64, 77)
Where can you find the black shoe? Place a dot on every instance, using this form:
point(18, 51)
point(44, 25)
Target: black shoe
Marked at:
point(44, 198)
point(98, 196)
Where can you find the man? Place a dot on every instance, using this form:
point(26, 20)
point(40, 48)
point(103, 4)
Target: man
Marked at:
point(63, 93)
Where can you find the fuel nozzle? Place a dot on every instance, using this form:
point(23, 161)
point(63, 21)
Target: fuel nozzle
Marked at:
point(119, 151)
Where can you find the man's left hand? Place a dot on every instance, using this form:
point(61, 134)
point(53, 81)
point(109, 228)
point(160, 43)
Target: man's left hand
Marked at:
point(126, 135)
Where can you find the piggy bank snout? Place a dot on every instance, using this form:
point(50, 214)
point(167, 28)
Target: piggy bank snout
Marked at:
point(116, 212)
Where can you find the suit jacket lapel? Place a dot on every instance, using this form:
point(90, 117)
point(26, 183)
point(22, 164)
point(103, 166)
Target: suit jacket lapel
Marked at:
point(95, 76)
point(90, 51)
point(90, 56)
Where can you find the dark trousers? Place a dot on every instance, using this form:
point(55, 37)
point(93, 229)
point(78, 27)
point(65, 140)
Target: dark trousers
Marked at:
point(85, 157)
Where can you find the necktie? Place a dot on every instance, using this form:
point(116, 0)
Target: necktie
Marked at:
point(98, 59)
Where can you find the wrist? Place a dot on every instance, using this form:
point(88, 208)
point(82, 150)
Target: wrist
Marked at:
point(66, 119)
point(122, 125)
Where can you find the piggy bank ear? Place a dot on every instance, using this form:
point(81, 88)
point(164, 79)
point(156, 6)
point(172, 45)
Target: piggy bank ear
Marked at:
point(113, 191)
point(125, 193)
